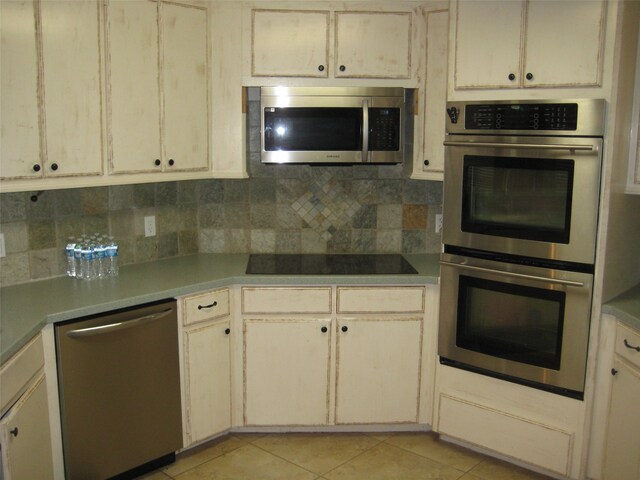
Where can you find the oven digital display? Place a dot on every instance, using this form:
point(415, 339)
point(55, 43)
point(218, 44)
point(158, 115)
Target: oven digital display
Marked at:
point(556, 116)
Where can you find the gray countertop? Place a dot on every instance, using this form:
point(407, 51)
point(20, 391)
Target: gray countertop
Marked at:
point(25, 309)
point(626, 307)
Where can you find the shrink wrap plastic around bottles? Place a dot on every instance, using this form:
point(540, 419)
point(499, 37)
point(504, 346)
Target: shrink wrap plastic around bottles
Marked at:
point(92, 256)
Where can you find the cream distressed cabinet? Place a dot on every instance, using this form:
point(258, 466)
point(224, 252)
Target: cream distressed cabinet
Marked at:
point(326, 44)
point(379, 350)
point(51, 110)
point(287, 354)
point(24, 427)
point(528, 43)
point(206, 332)
point(157, 86)
point(622, 450)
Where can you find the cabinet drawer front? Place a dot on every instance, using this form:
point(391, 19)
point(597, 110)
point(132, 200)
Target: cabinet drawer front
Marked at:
point(627, 344)
point(286, 300)
point(206, 306)
point(380, 299)
point(19, 370)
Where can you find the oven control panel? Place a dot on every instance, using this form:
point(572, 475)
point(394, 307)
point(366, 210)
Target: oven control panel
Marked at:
point(527, 116)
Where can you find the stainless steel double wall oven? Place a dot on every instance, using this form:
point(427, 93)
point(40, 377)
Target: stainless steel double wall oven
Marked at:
point(521, 196)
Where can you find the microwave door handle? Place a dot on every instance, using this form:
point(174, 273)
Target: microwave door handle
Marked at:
point(568, 283)
point(365, 130)
point(534, 146)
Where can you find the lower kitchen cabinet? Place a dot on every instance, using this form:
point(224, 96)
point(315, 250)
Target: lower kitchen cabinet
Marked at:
point(378, 370)
point(286, 371)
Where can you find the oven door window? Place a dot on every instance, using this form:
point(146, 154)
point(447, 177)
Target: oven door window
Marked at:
point(514, 322)
point(515, 197)
point(303, 129)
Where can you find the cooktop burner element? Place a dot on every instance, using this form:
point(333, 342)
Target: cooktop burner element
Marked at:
point(318, 264)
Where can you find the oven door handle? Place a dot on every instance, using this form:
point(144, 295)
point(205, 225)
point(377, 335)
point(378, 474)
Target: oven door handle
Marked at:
point(568, 283)
point(534, 146)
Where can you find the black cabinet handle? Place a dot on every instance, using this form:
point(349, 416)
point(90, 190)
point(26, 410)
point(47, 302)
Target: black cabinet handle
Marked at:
point(321, 68)
point(36, 167)
point(54, 166)
point(512, 76)
point(157, 162)
point(426, 163)
point(200, 307)
point(323, 329)
point(227, 331)
point(344, 328)
point(14, 431)
point(529, 76)
point(342, 68)
point(171, 162)
point(628, 345)
point(614, 371)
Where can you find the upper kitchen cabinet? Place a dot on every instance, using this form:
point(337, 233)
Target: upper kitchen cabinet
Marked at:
point(157, 86)
point(529, 43)
point(51, 92)
point(293, 46)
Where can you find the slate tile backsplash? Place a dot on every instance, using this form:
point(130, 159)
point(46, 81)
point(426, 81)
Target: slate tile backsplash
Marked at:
point(281, 209)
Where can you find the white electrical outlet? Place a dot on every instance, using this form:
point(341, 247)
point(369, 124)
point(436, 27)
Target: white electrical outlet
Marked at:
point(3, 253)
point(150, 226)
point(438, 222)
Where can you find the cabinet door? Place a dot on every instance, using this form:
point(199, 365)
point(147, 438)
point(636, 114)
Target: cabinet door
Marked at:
point(207, 381)
point(185, 73)
point(564, 43)
point(373, 45)
point(622, 453)
point(19, 117)
point(487, 48)
point(290, 43)
point(286, 372)
point(132, 86)
point(378, 370)
point(72, 89)
point(26, 438)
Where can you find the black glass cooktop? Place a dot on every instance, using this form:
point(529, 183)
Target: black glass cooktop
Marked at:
point(318, 264)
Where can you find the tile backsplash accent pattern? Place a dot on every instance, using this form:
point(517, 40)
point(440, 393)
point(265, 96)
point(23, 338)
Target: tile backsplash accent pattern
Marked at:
point(281, 208)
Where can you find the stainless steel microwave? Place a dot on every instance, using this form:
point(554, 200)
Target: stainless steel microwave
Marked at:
point(334, 125)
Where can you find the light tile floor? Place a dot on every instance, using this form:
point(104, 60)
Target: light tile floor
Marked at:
point(349, 456)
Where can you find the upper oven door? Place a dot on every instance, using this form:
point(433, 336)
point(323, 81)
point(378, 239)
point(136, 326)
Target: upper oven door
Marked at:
point(531, 196)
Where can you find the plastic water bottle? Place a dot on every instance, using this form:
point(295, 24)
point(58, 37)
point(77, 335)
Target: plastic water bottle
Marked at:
point(100, 259)
point(77, 257)
point(71, 261)
point(112, 258)
point(88, 264)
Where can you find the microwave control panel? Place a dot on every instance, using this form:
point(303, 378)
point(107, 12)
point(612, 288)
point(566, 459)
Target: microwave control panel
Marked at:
point(384, 129)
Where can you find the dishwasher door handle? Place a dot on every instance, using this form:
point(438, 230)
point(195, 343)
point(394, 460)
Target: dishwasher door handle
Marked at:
point(114, 327)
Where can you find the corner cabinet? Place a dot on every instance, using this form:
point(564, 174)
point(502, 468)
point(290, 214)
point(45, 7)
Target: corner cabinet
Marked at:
point(527, 43)
point(206, 332)
point(324, 44)
point(157, 86)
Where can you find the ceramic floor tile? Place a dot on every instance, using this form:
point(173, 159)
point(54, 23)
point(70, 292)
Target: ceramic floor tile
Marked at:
point(247, 463)
point(154, 476)
point(200, 455)
point(428, 445)
point(492, 469)
point(317, 452)
point(380, 436)
point(386, 462)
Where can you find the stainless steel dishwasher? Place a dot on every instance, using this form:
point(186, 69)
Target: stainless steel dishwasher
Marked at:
point(119, 384)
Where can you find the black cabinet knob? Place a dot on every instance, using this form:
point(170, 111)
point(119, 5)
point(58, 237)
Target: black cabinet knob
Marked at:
point(512, 76)
point(529, 76)
point(157, 162)
point(426, 163)
point(614, 371)
point(14, 431)
point(227, 331)
point(171, 162)
point(321, 68)
point(54, 166)
point(342, 68)
point(344, 328)
point(36, 167)
point(323, 329)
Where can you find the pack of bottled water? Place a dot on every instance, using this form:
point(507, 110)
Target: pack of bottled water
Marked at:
point(92, 256)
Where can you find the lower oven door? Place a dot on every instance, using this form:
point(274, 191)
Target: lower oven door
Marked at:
point(525, 324)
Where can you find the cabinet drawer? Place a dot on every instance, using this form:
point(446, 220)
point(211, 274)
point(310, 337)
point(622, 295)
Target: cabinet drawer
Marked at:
point(380, 299)
point(286, 300)
point(18, 371)
point(627, 343)
point(206, 306)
